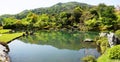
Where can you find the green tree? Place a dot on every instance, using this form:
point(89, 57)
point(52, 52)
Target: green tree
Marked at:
point(105, 16)
point(31, 19)
point(77, 12)
point(9, 22)
point(91, 23)
point(43, 21)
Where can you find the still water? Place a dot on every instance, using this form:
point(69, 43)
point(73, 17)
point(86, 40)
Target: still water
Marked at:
point(52, 46)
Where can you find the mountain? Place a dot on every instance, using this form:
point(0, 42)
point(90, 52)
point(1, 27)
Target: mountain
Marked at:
point(57, 8)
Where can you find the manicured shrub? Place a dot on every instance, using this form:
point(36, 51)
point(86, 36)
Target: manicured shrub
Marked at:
point(114, 52)
point(89, 58)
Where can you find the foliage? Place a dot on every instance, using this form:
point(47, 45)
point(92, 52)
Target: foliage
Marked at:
point(106, 16)
point(104, 58)
point(117, 13)
point(91, 23)
point(114, 52)
point(77, 12)
point(71, 15)
point(111, 55)
point(103, 43)
point(9, 22)
point(117, 33)
point(89, 58)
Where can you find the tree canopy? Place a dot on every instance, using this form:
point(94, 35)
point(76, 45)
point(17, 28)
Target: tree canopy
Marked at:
point(71, 15)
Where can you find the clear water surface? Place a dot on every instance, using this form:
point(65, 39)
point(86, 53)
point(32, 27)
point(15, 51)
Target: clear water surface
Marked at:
point(53, 46)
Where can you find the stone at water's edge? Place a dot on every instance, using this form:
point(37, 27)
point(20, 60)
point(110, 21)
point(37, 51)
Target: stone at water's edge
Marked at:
point(88, 40)
point(112, 39)
point(4, 54)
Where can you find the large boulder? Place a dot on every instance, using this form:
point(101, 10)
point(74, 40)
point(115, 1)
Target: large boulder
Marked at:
point(112, 38)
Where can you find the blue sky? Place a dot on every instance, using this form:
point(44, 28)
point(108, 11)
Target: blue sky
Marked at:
point(16, 6)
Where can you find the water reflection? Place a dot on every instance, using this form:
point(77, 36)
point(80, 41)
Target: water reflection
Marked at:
point(49, 46)
point(61, 40)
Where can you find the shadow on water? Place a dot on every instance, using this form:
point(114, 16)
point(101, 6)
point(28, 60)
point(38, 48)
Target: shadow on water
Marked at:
point(52, 46)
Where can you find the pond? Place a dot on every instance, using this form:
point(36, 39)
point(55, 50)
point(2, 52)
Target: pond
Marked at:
point(53, 46)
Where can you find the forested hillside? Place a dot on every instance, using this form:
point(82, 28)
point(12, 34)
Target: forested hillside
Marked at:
point(71, 15)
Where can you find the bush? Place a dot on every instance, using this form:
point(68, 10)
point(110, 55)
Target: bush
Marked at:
point(117, 33)
point(102, 41)
point(89, 58)
point(103, 44)
point(114, 52)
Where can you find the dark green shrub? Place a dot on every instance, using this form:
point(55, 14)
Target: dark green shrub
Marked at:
point(114, 52)
point(89, 58)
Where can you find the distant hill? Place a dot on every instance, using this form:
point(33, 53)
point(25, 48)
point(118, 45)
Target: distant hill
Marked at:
point(57, 8)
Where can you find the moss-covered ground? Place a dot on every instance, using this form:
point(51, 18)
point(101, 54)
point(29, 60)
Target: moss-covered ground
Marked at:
point(7, 37)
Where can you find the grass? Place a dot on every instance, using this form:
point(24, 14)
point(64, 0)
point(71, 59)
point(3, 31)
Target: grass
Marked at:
point(103, 58)
point(4, 31)
point(9, 37)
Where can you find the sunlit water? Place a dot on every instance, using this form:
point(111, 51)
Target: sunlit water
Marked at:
point(51, 47)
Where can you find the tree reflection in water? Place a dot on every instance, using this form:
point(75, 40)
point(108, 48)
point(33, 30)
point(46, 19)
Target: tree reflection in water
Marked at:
point(61, 39)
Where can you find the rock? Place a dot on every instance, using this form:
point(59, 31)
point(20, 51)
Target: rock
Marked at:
point(112, 39)
point(88, 40)
point(6, 46)
point(102, 34)
point(4, 57)
point(4, 53)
